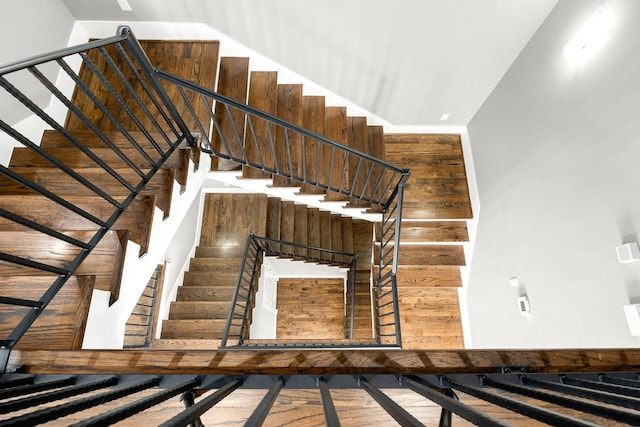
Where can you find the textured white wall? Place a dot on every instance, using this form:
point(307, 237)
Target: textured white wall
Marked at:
point(556, 150)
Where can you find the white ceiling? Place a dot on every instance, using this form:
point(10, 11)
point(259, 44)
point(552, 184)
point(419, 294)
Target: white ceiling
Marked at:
point(406, 61)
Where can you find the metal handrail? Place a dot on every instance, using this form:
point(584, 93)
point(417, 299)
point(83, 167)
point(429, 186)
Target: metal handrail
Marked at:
point(380, 192)
point(246, 286)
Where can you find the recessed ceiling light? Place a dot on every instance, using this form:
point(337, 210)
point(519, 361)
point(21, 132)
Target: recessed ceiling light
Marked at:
point(444, 117)
point(590, 35)
point(124, 5)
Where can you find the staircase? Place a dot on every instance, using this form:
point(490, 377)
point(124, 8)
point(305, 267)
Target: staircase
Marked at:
point(295, 155)
point(197, 317)
point(89, 183)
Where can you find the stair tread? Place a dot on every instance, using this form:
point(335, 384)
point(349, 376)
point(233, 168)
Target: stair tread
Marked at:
point(232, 82)
point(185, 344)
point(199, 310)
point(430, 231)
point(288, 148)
point(263, 87)
point(205, 293)
point(425, 255)
point(136, 218)
point(204, 278)
point(193, 329)
point(188, 59)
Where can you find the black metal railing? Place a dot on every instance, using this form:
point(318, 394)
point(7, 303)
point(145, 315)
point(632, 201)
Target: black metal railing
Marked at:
point(385, 292)
point(498, 399)
point(124, 127)
point(246, 136)
point(256, 248)
point(122, 130)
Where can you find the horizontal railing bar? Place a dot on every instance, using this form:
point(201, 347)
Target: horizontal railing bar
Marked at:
point(529, 410)
point(37, 387)
point(61, 53)
point(126, 411)
point(72, 390)
point(33, 264)
point(613, 399)
point(20, 301)
point(467, 412)
point(42, 229)
point(600, 410)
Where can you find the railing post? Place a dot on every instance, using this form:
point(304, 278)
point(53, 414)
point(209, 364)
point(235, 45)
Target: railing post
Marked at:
point(149, 71)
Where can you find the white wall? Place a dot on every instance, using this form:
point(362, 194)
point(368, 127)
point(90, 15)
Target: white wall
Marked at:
point(556, 149)
point(26, 30)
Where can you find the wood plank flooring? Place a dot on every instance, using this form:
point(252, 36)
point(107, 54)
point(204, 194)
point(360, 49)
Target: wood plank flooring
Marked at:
point(310, 309)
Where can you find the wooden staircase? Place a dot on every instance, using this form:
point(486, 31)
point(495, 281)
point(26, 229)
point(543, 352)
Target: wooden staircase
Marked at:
point(436, 197)
point(197, 317)
point(103, 268)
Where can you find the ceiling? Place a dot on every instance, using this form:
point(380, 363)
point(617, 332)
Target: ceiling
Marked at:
point(407, 61)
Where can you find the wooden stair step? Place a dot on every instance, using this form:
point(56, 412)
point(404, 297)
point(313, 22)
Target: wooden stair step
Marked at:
point(429, 276)
point(208, 329)
point(189, 59)
point(193, 278)
point(233, 83)
point(199, 310)
point(336, 233)
point(228, 219)
point(185, 344)
point(219, 252)
point(313, 230)
point(424, 255)
point(441, 167)
point(375, 148)
point(287, 221)
point(426, 195)
point(263, 95)
point(273, 218)
point(325, 226)
point(397, 145)
point(335, 130)
point(300, 229)
point(313, 119)
point(205, 293)
point(58, 182)
point(437, 210)
point(362, 243)
point(357, 139)
point(136, 219)
point(438, 190)
point(45, 249)
point(134, 341)
point(430, 231)
point(347, 234)
point(74, 158)
point(214, 265)
point(289, 149)
point(61, 325)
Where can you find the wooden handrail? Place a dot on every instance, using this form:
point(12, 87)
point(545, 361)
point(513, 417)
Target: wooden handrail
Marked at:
point(328, 362)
